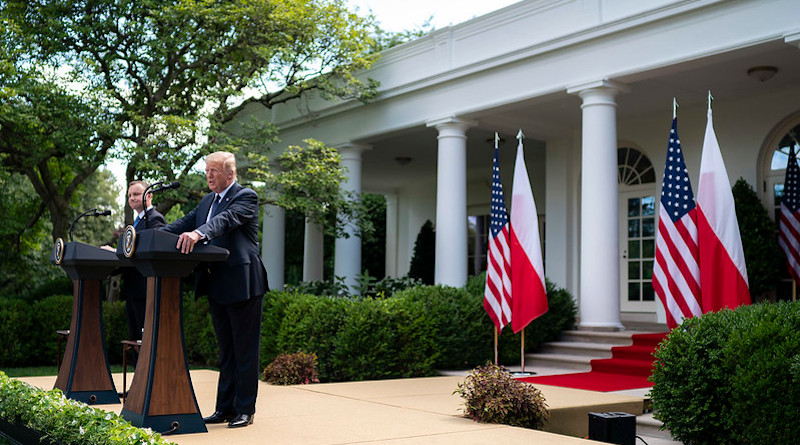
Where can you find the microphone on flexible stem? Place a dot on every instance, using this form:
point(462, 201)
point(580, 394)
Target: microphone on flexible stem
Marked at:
point(90, 212)
point(155, 188)
point(170, 186)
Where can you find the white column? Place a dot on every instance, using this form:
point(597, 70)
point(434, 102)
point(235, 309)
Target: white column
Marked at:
point(273, 235)
point(451, 201)
point(347, 251)
point(312, 252)
point(599, 266)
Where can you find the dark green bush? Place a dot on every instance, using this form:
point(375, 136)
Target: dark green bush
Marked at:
point(384, 338)
point(115, 328)
point(198, 332)
point(462, 330)
point(732, 377)
point(48, 315)
point(292, 369)
point(312, 323)
point(491, 395)
point(15, 326)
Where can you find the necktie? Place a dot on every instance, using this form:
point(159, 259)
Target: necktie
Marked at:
point(214, 204)
point(135, 220)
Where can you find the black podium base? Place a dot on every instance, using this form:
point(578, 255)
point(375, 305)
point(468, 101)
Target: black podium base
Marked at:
point(106, 397)
point(167, 424)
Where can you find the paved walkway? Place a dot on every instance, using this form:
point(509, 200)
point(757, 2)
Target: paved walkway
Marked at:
point(403, 411)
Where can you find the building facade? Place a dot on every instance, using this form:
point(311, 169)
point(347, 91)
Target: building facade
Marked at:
point(591, 85)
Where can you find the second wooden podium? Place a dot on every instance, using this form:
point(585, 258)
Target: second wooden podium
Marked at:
point(161, 395)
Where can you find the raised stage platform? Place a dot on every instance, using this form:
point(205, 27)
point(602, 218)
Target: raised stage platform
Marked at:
point(403, 411)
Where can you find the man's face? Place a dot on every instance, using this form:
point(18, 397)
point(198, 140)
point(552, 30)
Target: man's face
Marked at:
point(135, 197)
point(216, 177)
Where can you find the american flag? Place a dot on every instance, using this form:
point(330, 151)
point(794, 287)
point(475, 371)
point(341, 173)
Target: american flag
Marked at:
point(789, 237)
point(497, 294)
point(676, 275)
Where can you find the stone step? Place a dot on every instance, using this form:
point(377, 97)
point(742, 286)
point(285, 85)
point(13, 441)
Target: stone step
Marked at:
point(617, 338)
point(566, 361)
point(587, 349)
point(648, 427)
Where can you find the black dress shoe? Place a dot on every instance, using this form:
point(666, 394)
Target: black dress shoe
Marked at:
point(241, 420)
point(219, 417)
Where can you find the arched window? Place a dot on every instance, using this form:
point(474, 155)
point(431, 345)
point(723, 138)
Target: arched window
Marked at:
point(634, 168)
point(776, 169)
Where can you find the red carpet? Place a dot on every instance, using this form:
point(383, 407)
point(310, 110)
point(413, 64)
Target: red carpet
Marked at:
point(628, 368)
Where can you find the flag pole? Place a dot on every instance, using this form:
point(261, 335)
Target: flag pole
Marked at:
point(522, 352)
point(496, 356)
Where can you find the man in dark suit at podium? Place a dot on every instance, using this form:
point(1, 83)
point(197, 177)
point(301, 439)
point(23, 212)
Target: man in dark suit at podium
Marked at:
point(228, 217)
point(134, 285)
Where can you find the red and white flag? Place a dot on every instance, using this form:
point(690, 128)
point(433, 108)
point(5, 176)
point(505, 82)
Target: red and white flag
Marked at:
point(497, 293)
point(676, 275)
point(789, 236)
point(527, 269)
point(723, 273)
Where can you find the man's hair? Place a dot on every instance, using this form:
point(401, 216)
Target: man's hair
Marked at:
point(227, 159)
point(142, 183)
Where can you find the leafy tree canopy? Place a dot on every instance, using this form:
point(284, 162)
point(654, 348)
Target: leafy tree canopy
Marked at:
point(174, 73)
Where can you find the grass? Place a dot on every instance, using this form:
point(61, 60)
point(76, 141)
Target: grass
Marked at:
point(35, 371)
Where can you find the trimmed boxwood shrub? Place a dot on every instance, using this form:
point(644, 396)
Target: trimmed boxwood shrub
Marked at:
point(198, 331)
point(732, 377)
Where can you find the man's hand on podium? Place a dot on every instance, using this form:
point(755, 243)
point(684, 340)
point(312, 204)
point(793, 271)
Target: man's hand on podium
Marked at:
point(187, 240)
point(108, 248)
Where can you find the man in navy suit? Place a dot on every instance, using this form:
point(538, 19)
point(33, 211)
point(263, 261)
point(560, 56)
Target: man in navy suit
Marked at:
point(134, 284)
point(228, 217)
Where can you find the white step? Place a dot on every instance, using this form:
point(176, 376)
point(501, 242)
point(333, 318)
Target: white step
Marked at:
point(587, 349)
point(650, 429)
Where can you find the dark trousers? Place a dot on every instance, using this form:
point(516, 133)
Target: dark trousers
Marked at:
point(238, 329)
point(135, 308)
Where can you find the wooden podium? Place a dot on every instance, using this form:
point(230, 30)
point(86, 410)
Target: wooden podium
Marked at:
point(84, 374)
point(161, 396)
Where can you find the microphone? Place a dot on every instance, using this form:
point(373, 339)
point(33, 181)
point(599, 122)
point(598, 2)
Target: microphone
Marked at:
point(159, 187)
point(90, 212)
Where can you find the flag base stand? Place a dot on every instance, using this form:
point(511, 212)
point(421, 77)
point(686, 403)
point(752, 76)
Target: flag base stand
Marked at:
point(522, 374)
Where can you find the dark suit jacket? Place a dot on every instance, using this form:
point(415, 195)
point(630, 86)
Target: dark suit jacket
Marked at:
point(134, 285)
point(234, 227)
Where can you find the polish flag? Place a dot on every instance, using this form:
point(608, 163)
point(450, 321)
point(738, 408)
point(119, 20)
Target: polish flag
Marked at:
point(723, 273)
point(527, 269)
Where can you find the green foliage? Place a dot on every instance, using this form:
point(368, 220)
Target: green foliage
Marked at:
point(763, 257)
point(423, 261)
point(462, 331)
point(732, 377)
point(66, 421)
point(491, 395)
point(373, 244)
point(198, 331)
point(206, 62)
point(366, 286)
point(409, 333)
point(115, 329)
point(292, 369)
point(384, 338)
point(15, 325)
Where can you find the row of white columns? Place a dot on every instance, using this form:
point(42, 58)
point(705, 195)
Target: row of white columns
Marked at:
point(599, 228)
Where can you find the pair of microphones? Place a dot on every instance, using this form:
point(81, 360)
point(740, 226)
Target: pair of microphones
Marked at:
point(153, 188)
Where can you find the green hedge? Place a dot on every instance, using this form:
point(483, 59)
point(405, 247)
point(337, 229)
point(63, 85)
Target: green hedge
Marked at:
point(65, 421)
point(412, 333)
point(732, 377)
